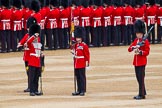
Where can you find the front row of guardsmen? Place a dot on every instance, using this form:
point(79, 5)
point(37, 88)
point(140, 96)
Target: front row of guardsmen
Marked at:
point(103, 22)
point(34, 58)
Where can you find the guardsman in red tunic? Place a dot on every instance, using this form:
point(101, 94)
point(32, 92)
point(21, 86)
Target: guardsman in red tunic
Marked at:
point(64, 24)
point(5, 26)
point(140, 57)
point(75, 16)
point(47, 7)
point(52, 25)
point(16, 24)
point(26, 56)
point(107, 22)
point(85, 17)
point(151, 19)
point(34, 62)
point(138, 14)
point(128, 22)
point(35, 7)
point(96, 23)
point(26, 14)
point(42, 23)
point(159, 22)
point(117, 21)
point(81, 61)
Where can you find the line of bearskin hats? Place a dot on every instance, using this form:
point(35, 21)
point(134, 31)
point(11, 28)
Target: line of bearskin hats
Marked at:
point(139, 27)
point(54, 3)
point(78, 32)
point(17, 4)
point(34, 28)
point(5, 3)
point(35, 5)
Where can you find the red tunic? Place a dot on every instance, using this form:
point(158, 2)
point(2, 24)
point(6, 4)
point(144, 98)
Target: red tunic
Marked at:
point(107, 16)
point(16, 19)
point(5, 19)
point(82, 55)
point(140, 60)
point(85, 16)
point(52, 18)
point(150, 15)
point(117, 16)
point(97, 17)
point(139, 14)
point(76, 15)
point(65, 18)
point(35, 52)
point(159, 16)
point(128, 15)
point(43, 16)
point(26, 49)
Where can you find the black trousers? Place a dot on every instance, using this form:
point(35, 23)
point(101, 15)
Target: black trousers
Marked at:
point(86, 36)
point(63, 37)
point(16, 36)
point(140, 75)
point(159, 31)
point(128, 33)
point(117, 34)
point(97, 36)
point(42, 38)
point(152, 33)
point(34, 73)
point(81, 79)
point(52, 38)
point(24, 31)
point(27, 73)
point(5, 40)
point(107, 35)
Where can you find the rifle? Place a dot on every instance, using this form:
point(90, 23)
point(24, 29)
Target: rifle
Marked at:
point(42, 69)
point(145, 37)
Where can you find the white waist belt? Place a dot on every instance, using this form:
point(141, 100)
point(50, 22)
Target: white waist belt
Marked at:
point(64, 19)
point(17, 21)
point(36, 55)
point(117, 17)
point(98, 18)
point(5, 20)
point(84, 18)
point(151, 17)
point(138, 18)
point(107, 17)
point(79, 57)
point(127, 17)
point(52, 19)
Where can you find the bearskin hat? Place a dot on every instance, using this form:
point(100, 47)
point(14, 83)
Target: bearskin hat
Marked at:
point(31, 21)
point(47, 2)
point(138, 2)
point(98, 2)
point(35, 5)
point(160, 3)
point(76, 2)
point(78, 32)
point(91, 2)
point(54, 3)
point(139, 27)
point(108, 2)
point(17, 3)
point(116, 3)
point(42, 3)
point(151, 2)
point(35, 28)
point(85, 3)
point(5, 3)
point(64, 3)
point(127, 1)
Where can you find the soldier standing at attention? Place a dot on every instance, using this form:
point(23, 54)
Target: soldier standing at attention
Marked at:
point(81, 61)
point(140, 57)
